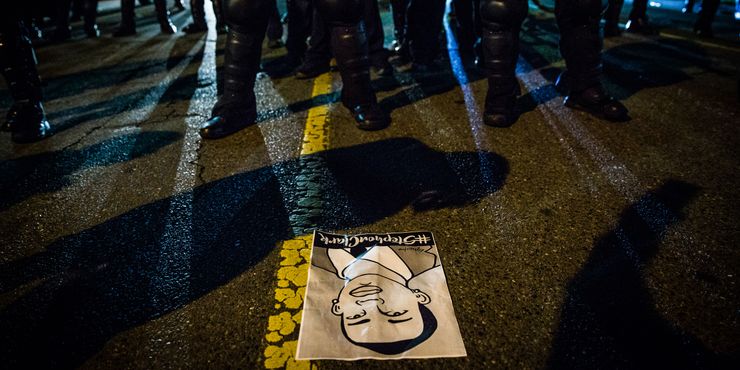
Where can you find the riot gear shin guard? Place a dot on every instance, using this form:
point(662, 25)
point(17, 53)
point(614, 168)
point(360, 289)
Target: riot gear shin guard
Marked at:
point(237, 107)
point(501, 22)
point(580, 45)
point(163, 16)
point(350, 47)
point(26, 118)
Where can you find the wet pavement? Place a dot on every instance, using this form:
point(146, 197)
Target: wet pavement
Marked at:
point(568, 242)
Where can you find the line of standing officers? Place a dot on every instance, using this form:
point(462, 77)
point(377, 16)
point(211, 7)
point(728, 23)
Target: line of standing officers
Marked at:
point(352, 32)
point(348, 30)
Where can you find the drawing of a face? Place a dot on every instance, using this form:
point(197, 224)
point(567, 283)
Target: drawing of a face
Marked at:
point(382, 314)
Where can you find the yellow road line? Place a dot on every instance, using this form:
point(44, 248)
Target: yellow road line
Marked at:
point(316, 134)
point(700, 42)
point(282, 326)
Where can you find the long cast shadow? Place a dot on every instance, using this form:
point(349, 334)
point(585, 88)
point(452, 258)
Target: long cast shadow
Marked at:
point(83, 289)
point(182, 88)
point(609, 319)
point(50, 171)
point(71, 84)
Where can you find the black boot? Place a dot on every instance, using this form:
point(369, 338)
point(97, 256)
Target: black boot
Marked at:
point(580, 45)
point(61, 34)
point(641, 26)
point(638, 20)
point(349, 44)
point(237, 107)
point(27, 122)
point(26, 119)
point(500, 107)
point(312, 69)
point(501, 49)
point(163, 16)
point(195, 28)
point(593, 100)
point(399, 23)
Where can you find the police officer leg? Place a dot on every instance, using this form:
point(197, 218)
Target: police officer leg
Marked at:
point(466, 27)
point(350, 47)
point(237, 106)
point(703, 26)
point(398, 7)
point(299, 28)
point(218, 11)
point(26, 118)
point(199, 18)
point(638, 20)
point(376, 38)
point(580, 45)
point(163, 16)
point(77, 10)
point(611, 18)
point(423, 27)
point(62, 31)
point(128, 24)
point(318, 54)
point(501, 22)
point(274, 26)
point(90, 10)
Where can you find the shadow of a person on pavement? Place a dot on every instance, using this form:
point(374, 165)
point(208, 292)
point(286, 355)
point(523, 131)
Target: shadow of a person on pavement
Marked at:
point(609, 318)
point(46, 172)
point(83, 289)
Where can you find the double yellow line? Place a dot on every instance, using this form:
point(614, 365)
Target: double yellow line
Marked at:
point(290, 289)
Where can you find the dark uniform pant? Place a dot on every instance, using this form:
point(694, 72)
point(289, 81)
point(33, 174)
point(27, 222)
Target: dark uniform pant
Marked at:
point(87, 8)
point(639, 10)
point(18, 61)
point(247, 21)
point(580, 42)
point(423, 27)
point(319, 51)
point(199, 14)
point(128, 14)
point(299, 27)
point(469, 24)
point(398, 8)
point(706, 15)
point(26, 118)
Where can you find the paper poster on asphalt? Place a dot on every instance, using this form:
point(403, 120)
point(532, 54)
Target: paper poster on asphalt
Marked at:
point(377, 296)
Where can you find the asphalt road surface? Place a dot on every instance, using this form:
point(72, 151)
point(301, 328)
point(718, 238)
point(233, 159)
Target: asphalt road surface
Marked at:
point(568, 242)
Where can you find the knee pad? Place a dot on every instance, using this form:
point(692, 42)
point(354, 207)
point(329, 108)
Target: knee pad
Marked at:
point(341, 12)
point(503, 14)
point(246, 15)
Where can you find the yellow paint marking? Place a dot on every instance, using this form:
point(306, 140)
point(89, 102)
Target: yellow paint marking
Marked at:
point(290, 288)
point(280, 357)
point(316, 133)
point(289, 292)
